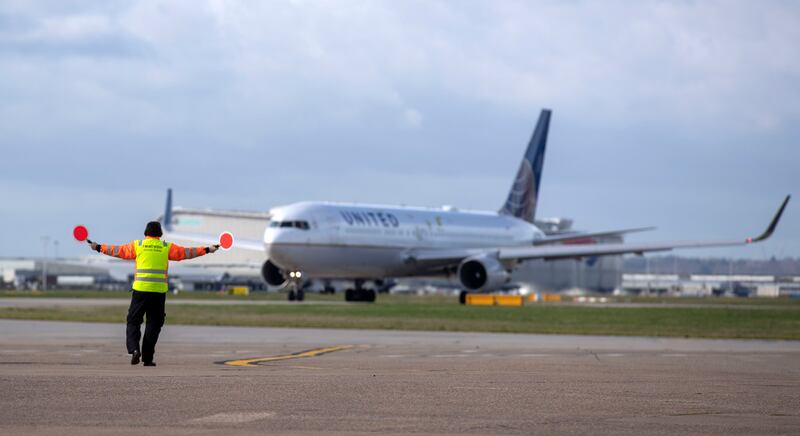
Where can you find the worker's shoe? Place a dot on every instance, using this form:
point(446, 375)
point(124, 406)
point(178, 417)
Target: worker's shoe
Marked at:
point(149, 364)
point(136, 357)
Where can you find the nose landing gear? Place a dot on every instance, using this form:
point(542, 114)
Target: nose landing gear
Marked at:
point(296, 287)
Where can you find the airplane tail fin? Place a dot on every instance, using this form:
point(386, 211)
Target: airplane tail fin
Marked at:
point(168, 211)
point(524, 193)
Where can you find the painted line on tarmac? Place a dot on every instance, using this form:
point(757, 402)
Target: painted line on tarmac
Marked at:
point(309, 353)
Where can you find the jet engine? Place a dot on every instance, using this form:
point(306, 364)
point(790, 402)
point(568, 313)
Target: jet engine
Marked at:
point(272, 274)
point(482, 273)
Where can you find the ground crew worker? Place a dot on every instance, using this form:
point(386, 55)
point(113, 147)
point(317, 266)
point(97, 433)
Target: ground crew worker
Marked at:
point(150, 285)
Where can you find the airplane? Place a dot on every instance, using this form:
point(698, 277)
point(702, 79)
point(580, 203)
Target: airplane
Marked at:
point(371, 242)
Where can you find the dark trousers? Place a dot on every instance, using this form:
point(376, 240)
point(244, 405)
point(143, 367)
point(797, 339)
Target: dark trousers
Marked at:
point(151, 304)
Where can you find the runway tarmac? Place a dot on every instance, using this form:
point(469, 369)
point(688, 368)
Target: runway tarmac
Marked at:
point(74, 378)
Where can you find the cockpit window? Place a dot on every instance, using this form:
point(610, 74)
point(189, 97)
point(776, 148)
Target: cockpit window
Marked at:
point(302, 225)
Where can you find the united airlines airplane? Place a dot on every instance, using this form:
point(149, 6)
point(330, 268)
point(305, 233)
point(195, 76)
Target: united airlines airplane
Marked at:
point(369, 243)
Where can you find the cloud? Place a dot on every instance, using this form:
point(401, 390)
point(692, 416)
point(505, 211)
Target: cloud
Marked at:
point(84, 35)
point(412, 118)
point(683, 101)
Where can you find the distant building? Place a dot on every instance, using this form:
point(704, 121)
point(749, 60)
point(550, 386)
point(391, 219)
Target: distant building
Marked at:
point(22, 273)
point(743, 285)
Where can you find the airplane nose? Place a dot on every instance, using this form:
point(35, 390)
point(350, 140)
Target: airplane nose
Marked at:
point(271, 238)
point(278, 247)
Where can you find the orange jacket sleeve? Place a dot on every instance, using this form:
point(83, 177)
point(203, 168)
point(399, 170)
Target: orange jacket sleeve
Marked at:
point(176, 252)
point(127, 251)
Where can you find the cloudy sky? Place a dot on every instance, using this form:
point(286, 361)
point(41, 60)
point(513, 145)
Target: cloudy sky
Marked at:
point(682, 115)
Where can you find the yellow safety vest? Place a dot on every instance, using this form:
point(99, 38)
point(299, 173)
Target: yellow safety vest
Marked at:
point(152, 262)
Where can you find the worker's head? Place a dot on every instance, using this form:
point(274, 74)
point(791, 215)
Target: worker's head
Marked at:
point(153, 229)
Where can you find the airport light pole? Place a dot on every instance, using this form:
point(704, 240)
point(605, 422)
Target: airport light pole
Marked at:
point(730, 276)
point(45, 243)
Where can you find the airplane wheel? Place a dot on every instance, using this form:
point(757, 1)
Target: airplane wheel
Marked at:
point(462, 297)
point(348, 295)
point(369, 296)
point(301, 295)
point(292, 295)
point(330, 290)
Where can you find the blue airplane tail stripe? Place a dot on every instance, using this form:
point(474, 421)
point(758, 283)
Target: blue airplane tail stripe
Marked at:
point(168, 212)
point(524, 193)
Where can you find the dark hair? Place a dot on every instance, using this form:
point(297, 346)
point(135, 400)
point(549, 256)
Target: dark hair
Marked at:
point(153, 229)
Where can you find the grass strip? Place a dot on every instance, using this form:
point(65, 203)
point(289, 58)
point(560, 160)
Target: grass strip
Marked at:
point(783, 302)
point(666, 322)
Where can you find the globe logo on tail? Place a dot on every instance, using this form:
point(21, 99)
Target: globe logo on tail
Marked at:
point(522, 197)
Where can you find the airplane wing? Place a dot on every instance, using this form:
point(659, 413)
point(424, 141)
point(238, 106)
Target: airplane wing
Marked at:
point(450, 256)
point(579, 237)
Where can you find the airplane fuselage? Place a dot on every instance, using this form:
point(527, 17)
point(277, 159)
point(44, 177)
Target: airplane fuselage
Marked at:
point(335, 240)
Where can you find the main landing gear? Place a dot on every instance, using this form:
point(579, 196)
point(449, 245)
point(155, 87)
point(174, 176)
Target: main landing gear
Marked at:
point(327, 288)
point(360, 294)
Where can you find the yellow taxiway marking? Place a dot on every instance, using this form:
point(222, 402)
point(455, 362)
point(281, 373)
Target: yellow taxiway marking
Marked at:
point(309, 353)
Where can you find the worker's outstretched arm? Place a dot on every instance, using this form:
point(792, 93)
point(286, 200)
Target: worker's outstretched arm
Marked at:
point(176, 252)
point(126, 251)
